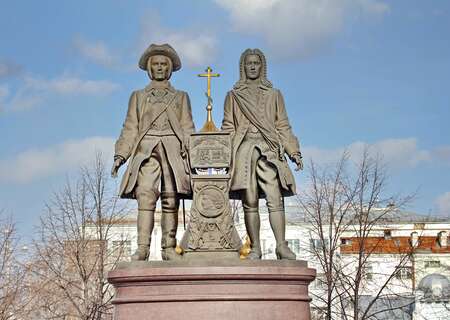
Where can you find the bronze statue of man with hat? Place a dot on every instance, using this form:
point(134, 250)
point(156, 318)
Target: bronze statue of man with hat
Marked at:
point(154, 141)
point(255, 115)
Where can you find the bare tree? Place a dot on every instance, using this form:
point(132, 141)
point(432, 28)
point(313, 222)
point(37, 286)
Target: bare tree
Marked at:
point(345, 203)
point(73, 252)
point(326, 207)
point(15, 297)
point(371, 208)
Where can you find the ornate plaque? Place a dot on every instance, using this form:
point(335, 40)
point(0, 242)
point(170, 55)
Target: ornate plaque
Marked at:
point(210, 150)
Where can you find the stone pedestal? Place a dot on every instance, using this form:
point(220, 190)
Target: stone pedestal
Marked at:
point(206, 290)
point(211, 233)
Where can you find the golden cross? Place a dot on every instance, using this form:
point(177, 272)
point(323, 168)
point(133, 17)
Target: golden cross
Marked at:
point(209, 125)
point(209, 75)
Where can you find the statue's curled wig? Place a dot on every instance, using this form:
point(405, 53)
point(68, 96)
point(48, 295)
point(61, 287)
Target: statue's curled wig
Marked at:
point(243, 77)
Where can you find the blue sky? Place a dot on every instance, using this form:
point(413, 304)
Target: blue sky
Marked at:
point(352, 72)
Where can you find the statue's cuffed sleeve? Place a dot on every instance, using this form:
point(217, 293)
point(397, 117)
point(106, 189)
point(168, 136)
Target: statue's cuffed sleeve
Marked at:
point(288, 139)
point(130, 130)
point(228, 121)
point(186, 122)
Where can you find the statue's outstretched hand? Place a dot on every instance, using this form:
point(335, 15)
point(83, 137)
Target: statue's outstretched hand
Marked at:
point(116, 165)
point(297, 159)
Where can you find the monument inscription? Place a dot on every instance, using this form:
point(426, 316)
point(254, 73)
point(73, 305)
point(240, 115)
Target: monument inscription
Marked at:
point(210, 151)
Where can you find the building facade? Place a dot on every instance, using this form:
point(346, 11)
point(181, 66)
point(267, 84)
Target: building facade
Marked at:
point(399, 256)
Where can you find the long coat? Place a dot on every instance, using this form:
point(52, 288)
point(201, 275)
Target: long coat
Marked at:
point(140, 116)
point(271, 119)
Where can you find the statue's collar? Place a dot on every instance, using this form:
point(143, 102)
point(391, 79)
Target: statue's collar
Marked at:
point(245, 85)
point(159, 85)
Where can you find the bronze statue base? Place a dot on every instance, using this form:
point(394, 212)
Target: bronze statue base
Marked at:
point(205, 290)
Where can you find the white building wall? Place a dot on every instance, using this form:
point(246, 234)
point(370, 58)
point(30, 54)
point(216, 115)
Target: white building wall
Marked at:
point(299, 236)
point(379, 271)
point(428, 263)
point(431, 311)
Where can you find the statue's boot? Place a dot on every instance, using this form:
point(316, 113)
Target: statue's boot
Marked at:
point(284, 252)
point(145, 222)
point(252, 224)
point(278, 224)
point(169, 223)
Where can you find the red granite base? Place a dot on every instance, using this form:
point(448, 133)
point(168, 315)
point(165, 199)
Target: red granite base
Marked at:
point(212, 290)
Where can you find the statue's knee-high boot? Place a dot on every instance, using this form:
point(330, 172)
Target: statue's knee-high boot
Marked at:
point(278, 224)
point(169, 224)
point(145, 223)
point(252, 224)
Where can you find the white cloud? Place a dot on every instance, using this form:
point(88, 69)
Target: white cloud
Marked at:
point(8, 69)
point(443, 204)
point(195, 47)
point(395, 152)
point(71, 85)
point(96, 52)
point(34, 164)
point(401, 152)
point(36, 90)
point(442, 153)
point(297, 28)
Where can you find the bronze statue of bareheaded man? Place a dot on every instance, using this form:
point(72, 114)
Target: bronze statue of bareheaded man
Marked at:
point(255, 115)
point(154, 140)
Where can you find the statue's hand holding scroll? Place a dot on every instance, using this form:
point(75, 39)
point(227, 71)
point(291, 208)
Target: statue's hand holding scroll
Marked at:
point(297, 159)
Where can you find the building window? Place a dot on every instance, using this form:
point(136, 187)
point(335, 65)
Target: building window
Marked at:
point(317, 244)
point(432, 264)
point(414, 239)
point(368, 272)
point(320, 281)
point(403, 273)
point(122, 248)
point(294, 244)
point(387, 234)
point(346, 242)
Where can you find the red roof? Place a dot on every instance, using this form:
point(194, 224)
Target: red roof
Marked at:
point(392, 245)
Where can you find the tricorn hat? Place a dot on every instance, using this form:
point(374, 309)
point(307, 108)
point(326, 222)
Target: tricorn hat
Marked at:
point(160, 49)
